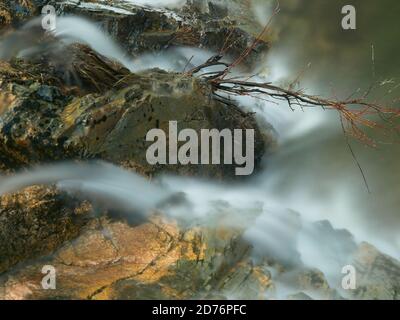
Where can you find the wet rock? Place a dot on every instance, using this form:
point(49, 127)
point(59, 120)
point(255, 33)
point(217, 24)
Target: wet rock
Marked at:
point(302, 283)
point(378, 275)
point(27, 117)
point(80, 68)
point(113, 127)
point(159, 259)
point(85, 106)
point(142, 29)
point(111, 260)
point(48, 93)
point(35, 222)
point(246, 281)
point(5, 16)
point(72, 103)
point(45, 118)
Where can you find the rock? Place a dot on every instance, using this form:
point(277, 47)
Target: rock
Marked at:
point(111, 260)
point(27, 117)
point(115, 130)
point(157, 259)
point(69, 102)
point(80, 67)
point(72, 103)
point(142, 29)
point(35, 222)
point(314, 281)
point(5, 16)
point(301, 296)
point(378, 275)
point(48, 93)
point(303, 283)
point(45, 118)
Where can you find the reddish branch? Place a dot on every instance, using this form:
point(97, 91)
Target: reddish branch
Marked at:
point(356, 114)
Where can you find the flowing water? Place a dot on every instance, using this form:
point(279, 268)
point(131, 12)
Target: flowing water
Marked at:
point(314, 172)
point(312, 176)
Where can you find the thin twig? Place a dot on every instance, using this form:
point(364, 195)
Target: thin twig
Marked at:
point(354, 156)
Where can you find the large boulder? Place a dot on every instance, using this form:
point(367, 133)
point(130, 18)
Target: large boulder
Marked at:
point(15, 12)
point(113, 126)
point(44, 117)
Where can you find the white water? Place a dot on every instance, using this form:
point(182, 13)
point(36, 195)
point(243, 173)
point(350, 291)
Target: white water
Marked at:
point(105, 184)
point(158, 3)
point(74, 29)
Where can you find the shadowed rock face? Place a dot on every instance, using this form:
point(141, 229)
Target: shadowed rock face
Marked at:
point(114, 126)
point(85, 106)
